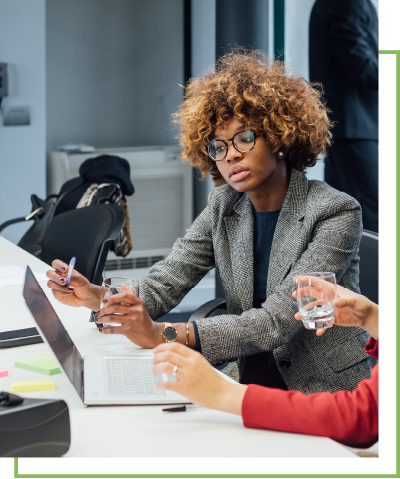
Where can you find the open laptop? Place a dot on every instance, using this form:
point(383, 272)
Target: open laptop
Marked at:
point(107, 380)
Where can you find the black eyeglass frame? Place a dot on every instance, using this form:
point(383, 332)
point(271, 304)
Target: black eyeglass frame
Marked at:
point(254, 132)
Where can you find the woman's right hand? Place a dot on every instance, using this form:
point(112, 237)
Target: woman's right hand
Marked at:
point(79, 292)
point(196, 379)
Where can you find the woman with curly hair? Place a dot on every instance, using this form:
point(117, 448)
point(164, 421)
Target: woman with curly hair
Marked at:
point(255, 129)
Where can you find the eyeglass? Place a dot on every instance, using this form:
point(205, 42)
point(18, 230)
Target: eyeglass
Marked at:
point(243, 141)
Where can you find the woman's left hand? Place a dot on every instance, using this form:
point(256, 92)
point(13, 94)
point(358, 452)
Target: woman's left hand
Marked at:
point(351, 309)
point(196, 379)
point(133, 317)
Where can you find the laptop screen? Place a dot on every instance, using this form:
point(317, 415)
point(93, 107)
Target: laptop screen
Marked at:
point(53, 330)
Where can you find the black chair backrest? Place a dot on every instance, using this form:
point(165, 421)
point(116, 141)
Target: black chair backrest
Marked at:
point(87, 234)
point(369, 265)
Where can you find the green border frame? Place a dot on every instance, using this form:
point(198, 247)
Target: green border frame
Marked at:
point(279, 50)
point(17, 475)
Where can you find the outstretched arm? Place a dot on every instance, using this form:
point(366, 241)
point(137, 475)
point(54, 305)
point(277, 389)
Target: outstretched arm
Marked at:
point(348, 417)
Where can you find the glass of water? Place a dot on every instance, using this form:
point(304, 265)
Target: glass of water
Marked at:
point(114, 286)
point(315, 293)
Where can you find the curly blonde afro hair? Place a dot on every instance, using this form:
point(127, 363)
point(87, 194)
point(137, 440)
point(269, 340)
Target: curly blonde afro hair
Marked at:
point(288, 110)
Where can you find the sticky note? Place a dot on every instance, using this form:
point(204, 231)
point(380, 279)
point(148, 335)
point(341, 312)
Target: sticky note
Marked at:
point(26, 386)
point(3, 372)
point(41, 363)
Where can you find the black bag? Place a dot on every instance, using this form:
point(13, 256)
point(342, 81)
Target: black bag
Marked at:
point(42, 213)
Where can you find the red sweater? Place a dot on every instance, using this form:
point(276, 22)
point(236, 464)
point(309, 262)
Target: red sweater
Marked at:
point(349, 417)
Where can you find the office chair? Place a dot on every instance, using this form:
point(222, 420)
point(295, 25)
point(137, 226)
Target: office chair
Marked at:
point(104, 169)
point(86, 233)
point(369, 273)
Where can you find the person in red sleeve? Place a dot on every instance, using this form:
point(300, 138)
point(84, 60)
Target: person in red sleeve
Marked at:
point(349, 417)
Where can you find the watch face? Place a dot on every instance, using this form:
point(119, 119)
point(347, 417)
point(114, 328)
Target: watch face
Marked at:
point(170, 334)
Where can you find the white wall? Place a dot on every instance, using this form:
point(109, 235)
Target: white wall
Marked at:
point(22, 148)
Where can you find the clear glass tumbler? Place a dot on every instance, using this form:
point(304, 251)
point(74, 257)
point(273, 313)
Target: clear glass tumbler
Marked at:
point(315, 293)
point(114, 286)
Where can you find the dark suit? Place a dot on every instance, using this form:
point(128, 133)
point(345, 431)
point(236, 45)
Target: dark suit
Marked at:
point(343, 53)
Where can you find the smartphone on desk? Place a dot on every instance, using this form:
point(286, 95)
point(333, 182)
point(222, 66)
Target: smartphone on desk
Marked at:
point(19, 337)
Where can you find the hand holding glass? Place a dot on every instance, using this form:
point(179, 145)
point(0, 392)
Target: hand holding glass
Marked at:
point(114, 286)
point(315, 293)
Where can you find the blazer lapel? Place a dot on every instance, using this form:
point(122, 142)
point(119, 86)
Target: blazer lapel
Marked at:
point(287, 231)
point(239, 227)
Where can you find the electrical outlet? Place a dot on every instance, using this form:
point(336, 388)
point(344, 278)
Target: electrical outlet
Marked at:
point(16, 116)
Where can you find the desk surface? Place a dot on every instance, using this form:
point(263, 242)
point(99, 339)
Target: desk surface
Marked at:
point(198, 433)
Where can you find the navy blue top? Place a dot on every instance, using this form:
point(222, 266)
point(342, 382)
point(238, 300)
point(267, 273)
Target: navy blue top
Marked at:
point(264, 229)
point(261, 368)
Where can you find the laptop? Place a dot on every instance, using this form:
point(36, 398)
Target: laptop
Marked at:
point(99, 380)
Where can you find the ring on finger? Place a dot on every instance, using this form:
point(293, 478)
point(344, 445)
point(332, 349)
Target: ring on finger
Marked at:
point(174, 371)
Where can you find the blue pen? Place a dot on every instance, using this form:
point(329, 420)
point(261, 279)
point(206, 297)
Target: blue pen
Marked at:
point(70, 269)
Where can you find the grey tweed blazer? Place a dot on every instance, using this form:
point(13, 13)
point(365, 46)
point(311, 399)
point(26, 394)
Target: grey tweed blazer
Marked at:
point(318, 229)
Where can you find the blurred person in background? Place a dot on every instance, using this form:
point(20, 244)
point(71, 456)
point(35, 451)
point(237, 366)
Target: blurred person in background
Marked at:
point(343, 57)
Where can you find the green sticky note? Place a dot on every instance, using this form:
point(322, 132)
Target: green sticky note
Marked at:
point(41, 363)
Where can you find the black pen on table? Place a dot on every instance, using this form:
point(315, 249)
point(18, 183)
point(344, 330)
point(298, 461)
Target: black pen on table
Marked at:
point(182, 408)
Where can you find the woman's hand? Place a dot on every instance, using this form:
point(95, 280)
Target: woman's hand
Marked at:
point(351, 309)
point(133, 317)
point(79, 292)
point(196, 379)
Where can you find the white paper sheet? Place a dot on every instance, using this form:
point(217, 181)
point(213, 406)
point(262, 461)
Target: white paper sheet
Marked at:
point(11, 275)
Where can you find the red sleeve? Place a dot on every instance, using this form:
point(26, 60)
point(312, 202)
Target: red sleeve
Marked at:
point(349, 417)
point(371, 347)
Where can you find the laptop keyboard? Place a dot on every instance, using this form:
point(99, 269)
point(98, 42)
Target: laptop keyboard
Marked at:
point(132, 376)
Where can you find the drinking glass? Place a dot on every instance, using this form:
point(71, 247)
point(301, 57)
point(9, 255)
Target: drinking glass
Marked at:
point(114, 286)
point(315, 293)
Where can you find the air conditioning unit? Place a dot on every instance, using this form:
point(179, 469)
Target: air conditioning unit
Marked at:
point(160, 210)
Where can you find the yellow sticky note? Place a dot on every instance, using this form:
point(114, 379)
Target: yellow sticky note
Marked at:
point(27, 386)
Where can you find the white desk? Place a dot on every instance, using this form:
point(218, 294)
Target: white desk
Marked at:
point(201, 432)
